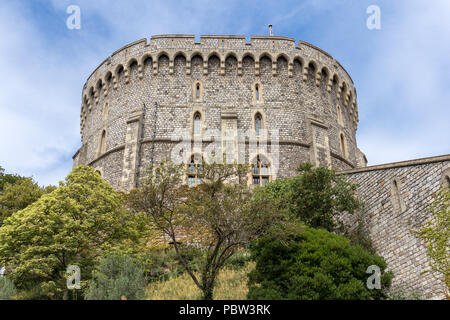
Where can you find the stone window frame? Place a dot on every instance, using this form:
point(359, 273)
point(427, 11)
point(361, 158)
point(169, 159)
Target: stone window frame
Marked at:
point(445, 179)
point(263, 121)
point(99, 170)
point(256, 119)
point(197, 84)
point(257, 84)
point(340, 115)
point(196, 173)
point(343, 144)
point(256, 159)
point(192, 122)
point(397, 201)
point(105, 111)
point(102, 142)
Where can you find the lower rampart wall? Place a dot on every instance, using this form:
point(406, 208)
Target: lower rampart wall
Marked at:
point(396, 198)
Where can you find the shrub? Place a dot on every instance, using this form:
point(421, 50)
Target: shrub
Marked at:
point(297, 262)
point(7, 288)
point(119, 277)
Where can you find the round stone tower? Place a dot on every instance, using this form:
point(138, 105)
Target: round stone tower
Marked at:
point(281, 103)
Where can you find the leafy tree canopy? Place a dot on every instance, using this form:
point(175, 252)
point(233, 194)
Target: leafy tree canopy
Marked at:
point(297, 262)
point(74, 224)
point(7, 178)
point(17, 196)
point(316, 196)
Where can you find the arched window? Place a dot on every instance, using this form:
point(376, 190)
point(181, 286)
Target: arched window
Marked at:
point(343, 146)
point(119, 72)
point(339, 115)
point(257, 92)
point(197, 91)
point(447, 181)
point(195, 172)
point(396, 198)
point(258, 124)
point(102, 148)
point(105, 111)
point(197, 123)
point(261, 172)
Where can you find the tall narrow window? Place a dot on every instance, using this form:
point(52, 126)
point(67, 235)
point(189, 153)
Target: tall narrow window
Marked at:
point(258, 124)
point(197, 123)
point(261, 172)
point(396, 199)
point(197, 91)
point(339, 114)
point(257, 92)
point(195, 171)
point(102, 148)
point(343, 147)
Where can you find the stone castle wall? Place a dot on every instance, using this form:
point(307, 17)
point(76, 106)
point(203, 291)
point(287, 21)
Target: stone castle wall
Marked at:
point(304, 94)
point(396, 198)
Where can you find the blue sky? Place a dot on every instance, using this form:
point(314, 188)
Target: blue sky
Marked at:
point(401, 72)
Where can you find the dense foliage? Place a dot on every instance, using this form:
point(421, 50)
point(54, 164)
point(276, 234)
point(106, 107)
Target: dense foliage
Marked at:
point(7, 178)
point(19, 195)
point(316, 196)
point(118, 277)
point(294, 261)
point(74, 224)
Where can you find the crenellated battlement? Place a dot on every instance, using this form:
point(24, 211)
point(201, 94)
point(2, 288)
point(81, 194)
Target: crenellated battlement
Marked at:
point(324, 67)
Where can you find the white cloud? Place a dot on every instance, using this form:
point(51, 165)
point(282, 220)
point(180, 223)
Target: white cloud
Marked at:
point(403, 93)
point(38, 104)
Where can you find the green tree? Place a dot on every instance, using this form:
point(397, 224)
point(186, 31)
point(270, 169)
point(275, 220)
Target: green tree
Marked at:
point(217, 216)
point(118, 277)
point(17, 196)
point(317, 196)
point(436, 236)
point(297, 262)
point(7, 178)
point(73, 225)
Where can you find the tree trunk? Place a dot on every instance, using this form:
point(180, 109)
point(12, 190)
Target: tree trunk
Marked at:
point(208, 292)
